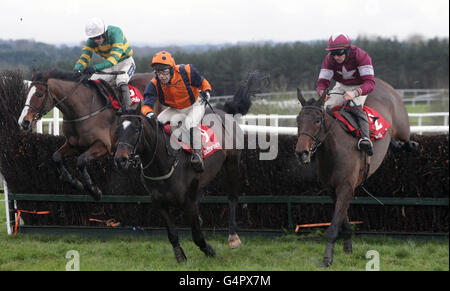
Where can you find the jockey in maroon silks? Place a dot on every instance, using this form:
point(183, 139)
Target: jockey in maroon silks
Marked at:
point(351, 68)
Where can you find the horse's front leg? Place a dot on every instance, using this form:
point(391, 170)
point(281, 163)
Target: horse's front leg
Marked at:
point(58, 157)
point(344, 194)
point(171, 233)
point(191, 213)
point(347, 236)
point(96, 151)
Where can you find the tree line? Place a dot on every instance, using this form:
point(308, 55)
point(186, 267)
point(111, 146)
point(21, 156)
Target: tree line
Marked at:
point(415, 63)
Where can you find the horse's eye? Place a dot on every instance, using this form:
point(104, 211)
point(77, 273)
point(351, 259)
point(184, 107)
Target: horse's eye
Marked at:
point(318, 120)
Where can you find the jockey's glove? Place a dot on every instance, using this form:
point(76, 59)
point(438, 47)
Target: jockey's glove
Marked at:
point(150, 115)
point(206, 95)
point(77, 74)
point(89, 71)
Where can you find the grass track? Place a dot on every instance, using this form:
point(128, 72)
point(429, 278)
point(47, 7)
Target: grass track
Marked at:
point(285, 252)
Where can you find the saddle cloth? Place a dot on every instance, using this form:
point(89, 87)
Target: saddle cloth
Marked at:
point(378, 126)
point(135, 94)
point(210, 143)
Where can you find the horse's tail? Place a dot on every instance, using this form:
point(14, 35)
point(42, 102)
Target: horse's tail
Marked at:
point(241, 101)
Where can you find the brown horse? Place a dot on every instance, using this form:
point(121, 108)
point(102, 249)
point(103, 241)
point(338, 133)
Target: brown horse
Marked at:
point(340, 165)
point(89, 124)
point(167, 173)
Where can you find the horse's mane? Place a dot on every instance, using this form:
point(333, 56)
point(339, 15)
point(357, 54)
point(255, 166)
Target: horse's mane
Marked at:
point(312, 102)
point(56, 74)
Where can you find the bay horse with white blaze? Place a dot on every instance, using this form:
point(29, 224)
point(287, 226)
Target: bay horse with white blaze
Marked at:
point(89, 122)
point(167, 173)
point(340, 165)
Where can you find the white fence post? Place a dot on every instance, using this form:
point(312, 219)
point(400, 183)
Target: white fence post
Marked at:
point(7, 210)
point(55, 121)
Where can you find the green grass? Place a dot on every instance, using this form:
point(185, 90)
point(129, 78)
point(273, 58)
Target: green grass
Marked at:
point(424, 108)
point(285, 252)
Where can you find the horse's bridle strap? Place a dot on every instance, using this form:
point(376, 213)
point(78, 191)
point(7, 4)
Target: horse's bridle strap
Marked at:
point(92, 114)
point(160, 178)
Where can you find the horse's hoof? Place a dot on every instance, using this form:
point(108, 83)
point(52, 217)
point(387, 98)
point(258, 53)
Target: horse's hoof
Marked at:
point(412, 146)
point(179, 254)
point(208, 250)
point(78, 185)
point(234, 241)
point(325, 263)
point(97, 196)
point(95, 192)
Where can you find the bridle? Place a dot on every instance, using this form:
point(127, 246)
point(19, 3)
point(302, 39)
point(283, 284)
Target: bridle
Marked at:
point(317, 141)
point(40, 112)
point(134, 158)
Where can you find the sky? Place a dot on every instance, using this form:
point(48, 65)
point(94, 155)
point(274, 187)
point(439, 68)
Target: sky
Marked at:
point(183, 22)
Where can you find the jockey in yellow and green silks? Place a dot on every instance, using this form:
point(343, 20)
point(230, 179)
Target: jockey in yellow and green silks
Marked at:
point(110, 43)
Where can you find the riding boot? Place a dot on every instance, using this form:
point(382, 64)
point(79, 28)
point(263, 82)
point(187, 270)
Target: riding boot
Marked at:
point(196, 146)
point(364, 142)
point(125, 105)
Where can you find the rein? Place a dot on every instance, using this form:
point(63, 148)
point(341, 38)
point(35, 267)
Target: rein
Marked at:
point(137, 160)
point(317, 141)
point(48, 94)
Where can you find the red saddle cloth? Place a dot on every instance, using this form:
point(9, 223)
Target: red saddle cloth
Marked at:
point(135, 96)
point(378, 126)
point(210, 142)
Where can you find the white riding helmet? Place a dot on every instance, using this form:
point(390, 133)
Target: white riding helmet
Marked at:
point(95, 27)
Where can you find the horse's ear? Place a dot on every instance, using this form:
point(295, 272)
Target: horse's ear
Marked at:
point(322, 98)
point(138, 108)
point(47, 76)
point(300, 97)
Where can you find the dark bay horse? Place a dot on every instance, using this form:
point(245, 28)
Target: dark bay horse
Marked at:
point(168, 175)
point(340, 165)
point(89, 125)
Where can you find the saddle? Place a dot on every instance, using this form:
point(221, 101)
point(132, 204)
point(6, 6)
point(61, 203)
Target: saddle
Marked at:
point(210, 142)
point(378, 126)
point(111, 95)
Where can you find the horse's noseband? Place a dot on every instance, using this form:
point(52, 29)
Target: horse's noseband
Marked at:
point(317, 142)
point(134, 159)
point(39, 112)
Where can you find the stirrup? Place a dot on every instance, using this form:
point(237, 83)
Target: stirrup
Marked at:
point(197, 163)
point(365, 144)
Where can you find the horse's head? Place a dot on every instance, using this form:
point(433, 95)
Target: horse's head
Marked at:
point(311, 126)
point(37, 104)
point(130, 134)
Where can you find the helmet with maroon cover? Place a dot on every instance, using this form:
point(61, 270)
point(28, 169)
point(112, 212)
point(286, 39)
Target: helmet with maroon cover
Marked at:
point(338, 41)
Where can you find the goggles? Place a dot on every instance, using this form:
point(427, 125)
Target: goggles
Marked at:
point(165, 72)
point(97, 37)
point(338, 52)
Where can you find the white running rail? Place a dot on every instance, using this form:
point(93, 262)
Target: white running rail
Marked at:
point(53, 123)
